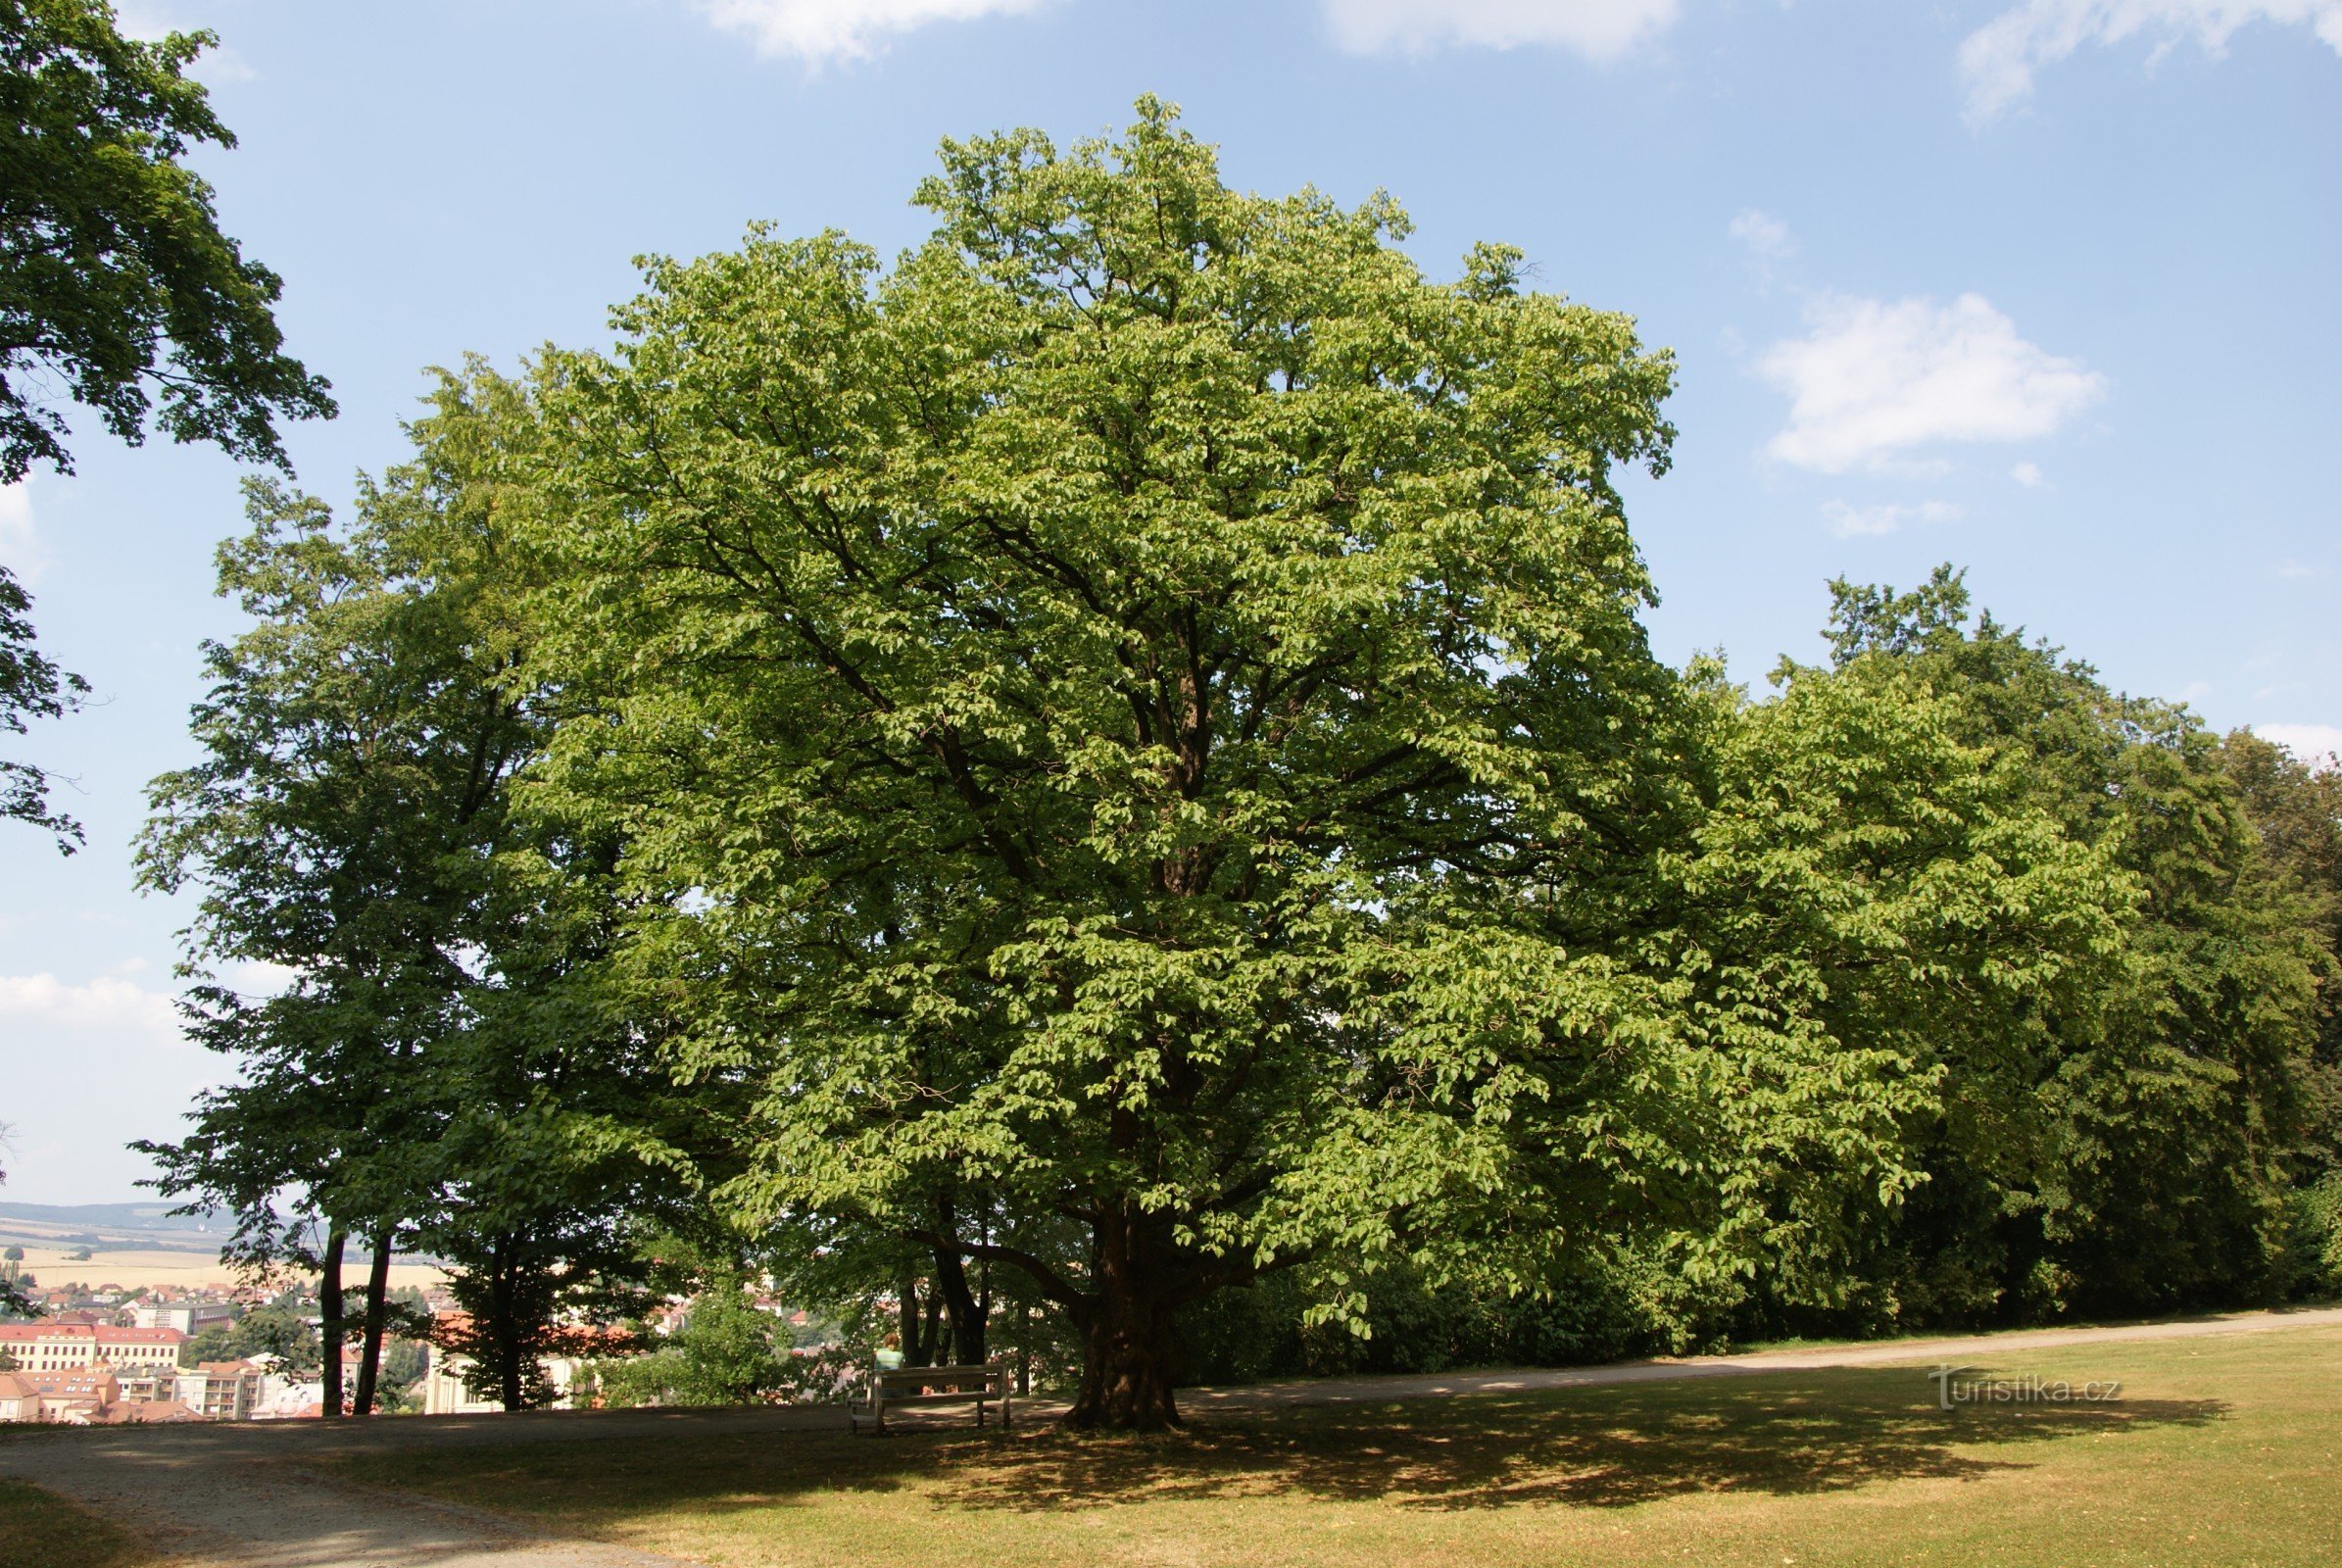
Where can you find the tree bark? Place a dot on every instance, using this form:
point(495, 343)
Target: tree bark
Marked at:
point(505, 1310)
point(930, 1343)
point(377, 1301)
point(329, 1311)
point(1129, 1337)
point(907, 1312)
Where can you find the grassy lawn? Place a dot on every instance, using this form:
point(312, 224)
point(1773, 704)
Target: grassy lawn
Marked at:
point(39, 1529)
point(2221, 1451)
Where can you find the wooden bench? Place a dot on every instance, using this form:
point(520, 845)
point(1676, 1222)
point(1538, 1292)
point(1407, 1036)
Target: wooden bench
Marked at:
point(894, 1386)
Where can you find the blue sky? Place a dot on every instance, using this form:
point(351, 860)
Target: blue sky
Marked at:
point(2044, 288)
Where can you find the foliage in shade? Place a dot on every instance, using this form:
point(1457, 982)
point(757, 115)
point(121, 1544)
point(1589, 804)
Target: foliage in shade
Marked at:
point(32, 687)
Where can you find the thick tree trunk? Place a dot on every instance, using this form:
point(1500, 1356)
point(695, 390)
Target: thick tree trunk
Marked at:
point(966, 1313)
point(1130, 1339)
point(329, 1308)
point(377, 1303)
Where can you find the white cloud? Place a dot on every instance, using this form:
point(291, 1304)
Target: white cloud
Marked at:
point(1998, 61)
point(19, 542)
point(106, 1002)
point(818, 31)
point(1765, 236)
point(140, 19)
point(2299, 571)
point(1851, 521)
point(2309, 742)
point(257, 979)
point(91, 1067)
point(1598, 29)
point(2029, 475)
point(1872, 380)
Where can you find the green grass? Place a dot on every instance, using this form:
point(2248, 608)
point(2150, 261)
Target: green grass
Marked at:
point(40, 1529)
point(2222, 1451)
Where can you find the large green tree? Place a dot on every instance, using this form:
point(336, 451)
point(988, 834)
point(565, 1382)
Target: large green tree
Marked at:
point(1136, 719)
point(115, 281)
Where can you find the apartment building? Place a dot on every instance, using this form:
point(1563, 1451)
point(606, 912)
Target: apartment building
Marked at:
point(222, 1390)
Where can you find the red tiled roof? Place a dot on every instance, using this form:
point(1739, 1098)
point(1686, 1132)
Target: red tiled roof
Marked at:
point(93, 1381)
point(153, 1410)
point(27, 1333)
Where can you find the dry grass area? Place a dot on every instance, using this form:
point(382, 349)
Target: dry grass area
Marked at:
point(2220, 1451)
point(164, 1267)
point(39, 1529)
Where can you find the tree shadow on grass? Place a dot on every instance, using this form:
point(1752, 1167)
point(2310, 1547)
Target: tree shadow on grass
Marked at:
point(1596, 1448)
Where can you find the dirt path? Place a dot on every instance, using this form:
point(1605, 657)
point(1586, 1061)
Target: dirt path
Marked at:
point(243, 1495)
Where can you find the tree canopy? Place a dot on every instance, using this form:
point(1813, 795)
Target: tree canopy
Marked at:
point(116, 282)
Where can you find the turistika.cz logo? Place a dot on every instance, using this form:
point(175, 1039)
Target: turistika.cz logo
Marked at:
point(1963, 1385)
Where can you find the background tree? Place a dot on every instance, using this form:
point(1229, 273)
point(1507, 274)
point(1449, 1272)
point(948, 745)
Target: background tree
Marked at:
point(427, 1071)
point(2123, 1140)
point(1141, 713)
point(16, 1300)
point(2295, 804)
point(30, 687)
point(277, 1331)
point(726, 1353)
point(115, 281)
point(326, 828)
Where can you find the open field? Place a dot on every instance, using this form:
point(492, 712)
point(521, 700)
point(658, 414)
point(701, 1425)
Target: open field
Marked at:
point(39, 1529)
point(130, 1267)
point(2221, 1451)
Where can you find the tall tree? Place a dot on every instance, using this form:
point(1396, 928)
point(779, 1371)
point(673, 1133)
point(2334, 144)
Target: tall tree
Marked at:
point(339, 829)
point(115, 281)
point(429, 1070)
point(1140, 712)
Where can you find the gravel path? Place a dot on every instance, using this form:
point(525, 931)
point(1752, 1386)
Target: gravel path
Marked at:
point(243, 1495)
point(1876, 1353)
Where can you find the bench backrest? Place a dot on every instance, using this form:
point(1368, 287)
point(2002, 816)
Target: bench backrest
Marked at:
point(941, 1377)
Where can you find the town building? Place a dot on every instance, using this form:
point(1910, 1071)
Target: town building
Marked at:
point(69, 1346)
point(446, 1394)
point(188, 1317)
point(77, 1398)
point(222, 1390)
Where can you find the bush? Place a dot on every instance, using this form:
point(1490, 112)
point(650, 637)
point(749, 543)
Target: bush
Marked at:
point(1414, 1326)
point(2314, 1240)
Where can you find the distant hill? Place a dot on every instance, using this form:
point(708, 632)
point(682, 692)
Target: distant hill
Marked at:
point(135, 1225)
